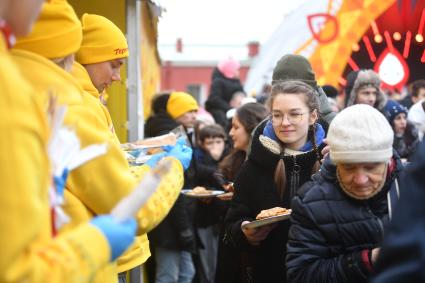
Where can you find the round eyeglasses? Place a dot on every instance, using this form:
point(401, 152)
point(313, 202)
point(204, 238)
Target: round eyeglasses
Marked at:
point(293, 118)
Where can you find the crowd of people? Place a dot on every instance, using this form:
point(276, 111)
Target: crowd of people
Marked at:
point(348, 164)
point(340, 173)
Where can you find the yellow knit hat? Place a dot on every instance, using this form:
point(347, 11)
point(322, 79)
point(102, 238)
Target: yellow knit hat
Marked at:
point(56, 34)
point(180, 103)
point(102, 41)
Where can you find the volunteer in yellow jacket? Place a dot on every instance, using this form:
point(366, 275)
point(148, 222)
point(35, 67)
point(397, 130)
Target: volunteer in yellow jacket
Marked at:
point(28, 251)
point(102, 53)
point(95, 187)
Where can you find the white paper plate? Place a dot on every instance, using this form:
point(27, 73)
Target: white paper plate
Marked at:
point(213, 193)
point(266, 221)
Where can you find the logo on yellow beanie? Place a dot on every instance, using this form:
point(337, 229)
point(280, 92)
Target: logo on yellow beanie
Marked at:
point(120, 51)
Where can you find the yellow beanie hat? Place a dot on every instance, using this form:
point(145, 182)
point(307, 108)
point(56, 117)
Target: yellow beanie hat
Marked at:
point(56, 34)
point(180, 103)
point(102, 41)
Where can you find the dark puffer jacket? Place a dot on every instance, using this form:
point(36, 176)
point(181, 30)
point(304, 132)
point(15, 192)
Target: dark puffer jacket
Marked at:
point(255, 191)
point(221, 92)
point(331, 233)
point(403, 251)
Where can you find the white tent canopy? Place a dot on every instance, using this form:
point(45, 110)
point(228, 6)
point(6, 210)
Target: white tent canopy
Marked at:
point(292, 33)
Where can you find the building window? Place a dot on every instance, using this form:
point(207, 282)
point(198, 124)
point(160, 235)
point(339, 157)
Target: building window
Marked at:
point(198, 92)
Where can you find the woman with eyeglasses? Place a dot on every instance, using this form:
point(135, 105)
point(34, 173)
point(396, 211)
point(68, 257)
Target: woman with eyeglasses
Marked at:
point(284, 153)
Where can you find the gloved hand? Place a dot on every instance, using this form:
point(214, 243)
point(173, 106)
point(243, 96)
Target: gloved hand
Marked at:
point(60, 182)
point(155, 159)
point(119, 235)
point(181, 152)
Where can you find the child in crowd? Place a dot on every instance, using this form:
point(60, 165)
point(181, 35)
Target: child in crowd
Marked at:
point(211, 150)
point(212, 140)
point(209, 212)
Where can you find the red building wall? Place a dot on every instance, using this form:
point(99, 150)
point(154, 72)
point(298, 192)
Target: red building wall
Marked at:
point(180, 77)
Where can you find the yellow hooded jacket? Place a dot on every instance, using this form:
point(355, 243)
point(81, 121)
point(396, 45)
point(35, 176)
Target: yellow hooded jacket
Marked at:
point(82, 76)
point(140, 250)
point(28, 251)
point(96, 187)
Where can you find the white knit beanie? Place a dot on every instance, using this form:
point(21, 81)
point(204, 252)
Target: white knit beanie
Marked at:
point(358, 134)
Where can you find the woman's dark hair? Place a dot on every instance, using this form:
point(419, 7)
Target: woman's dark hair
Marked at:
point(310, 99)
point(249, 115)
point(410, 134)
point(416, 86)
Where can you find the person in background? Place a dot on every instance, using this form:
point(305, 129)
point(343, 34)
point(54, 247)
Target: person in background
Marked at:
point(209, 153)
point(405, 133)
point(30, 252)
point(230, 113)
point(173, 240)
point(284, 153)
point(264, 95)
point(237, 98)
point(209, 212)
point(338, 218)
point(298, 68)
point(416, 115)
point(402, 253)
point(230, 265)
point(332, 94)
point(364, 87)
point(417, 94)
point(333, 104)
point(330, 91)
point(224, 83)
point(199, 124)
point(169, 110)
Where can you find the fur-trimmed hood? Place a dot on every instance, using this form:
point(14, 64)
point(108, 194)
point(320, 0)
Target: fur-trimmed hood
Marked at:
point(367, 78)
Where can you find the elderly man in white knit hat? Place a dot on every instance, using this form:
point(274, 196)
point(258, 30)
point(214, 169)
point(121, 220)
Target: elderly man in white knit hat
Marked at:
point(338, 218)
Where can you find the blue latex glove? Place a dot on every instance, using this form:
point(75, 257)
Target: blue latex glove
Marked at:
point(155, 159)
point(119, 235)
point(181, 152)
point(180, 141)
point(60, 182)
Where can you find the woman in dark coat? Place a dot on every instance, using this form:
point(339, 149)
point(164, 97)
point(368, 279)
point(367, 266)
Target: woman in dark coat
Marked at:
point(283, 155)
point(338, 218)
point(231, 265)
